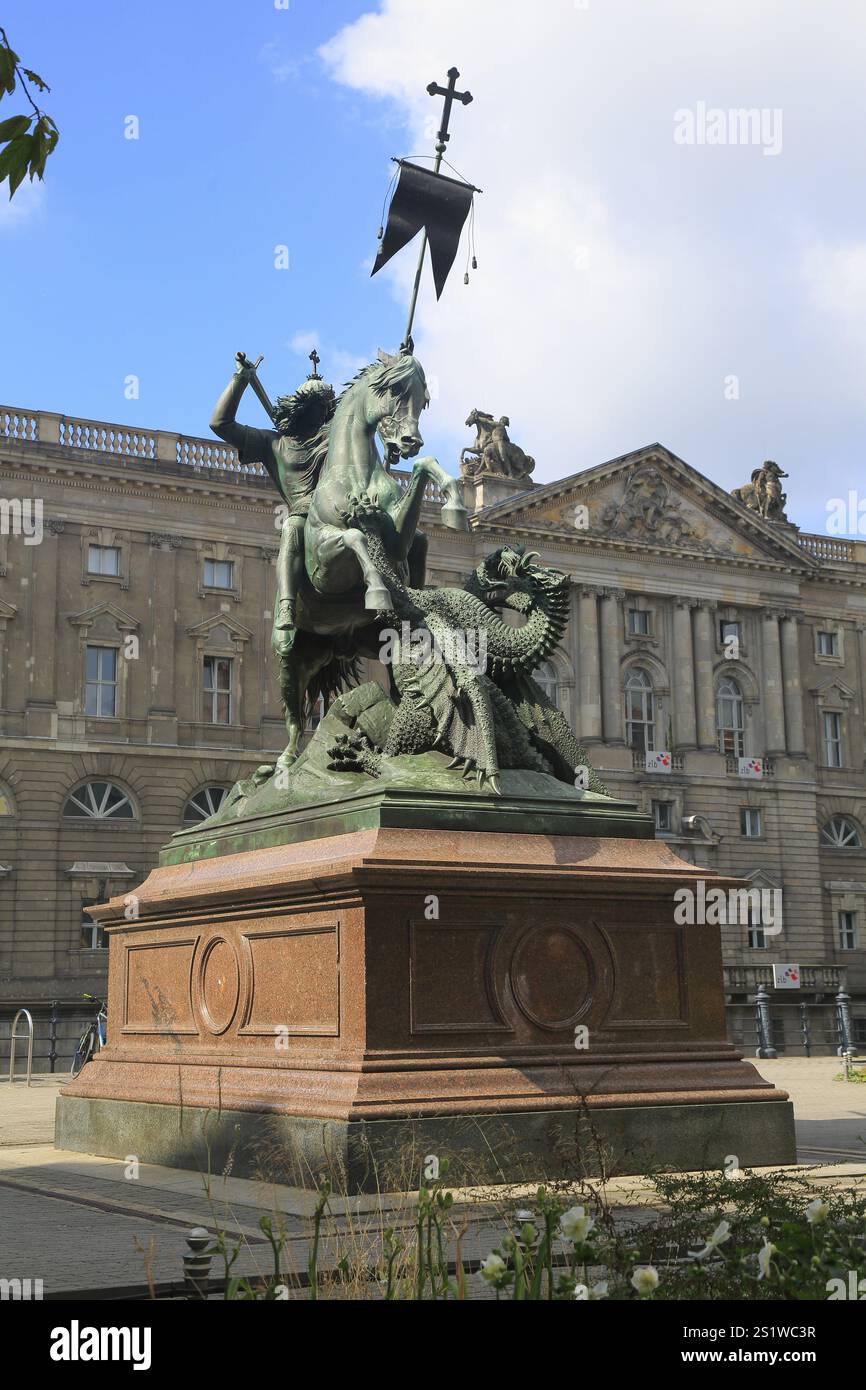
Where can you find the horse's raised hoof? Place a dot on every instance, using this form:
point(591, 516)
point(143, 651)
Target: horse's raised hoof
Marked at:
point(378, 600)
point(455, 516)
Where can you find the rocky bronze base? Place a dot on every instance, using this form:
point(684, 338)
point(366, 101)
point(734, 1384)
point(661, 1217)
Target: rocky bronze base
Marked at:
point(356, 994)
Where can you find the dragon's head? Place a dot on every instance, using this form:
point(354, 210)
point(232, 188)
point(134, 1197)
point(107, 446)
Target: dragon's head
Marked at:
point(510, 578)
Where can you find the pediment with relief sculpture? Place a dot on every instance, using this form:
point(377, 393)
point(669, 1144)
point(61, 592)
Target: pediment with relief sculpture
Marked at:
point(650, 498)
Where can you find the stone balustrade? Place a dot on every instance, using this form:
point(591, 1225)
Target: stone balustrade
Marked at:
point(152, 447)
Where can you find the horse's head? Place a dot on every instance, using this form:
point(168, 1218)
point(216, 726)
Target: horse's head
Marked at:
point(396, 393)
point(773, 469)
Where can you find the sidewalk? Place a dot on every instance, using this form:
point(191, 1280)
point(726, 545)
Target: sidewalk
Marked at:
point(81, 1222)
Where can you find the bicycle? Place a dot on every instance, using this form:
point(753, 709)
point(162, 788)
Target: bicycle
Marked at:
point(93, 1037)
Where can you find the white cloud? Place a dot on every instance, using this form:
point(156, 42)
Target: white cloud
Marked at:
point(623, 277)
point(336, 364)
point(27, 204)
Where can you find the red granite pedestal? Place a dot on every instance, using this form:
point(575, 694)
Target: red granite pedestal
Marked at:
point(524, 1002)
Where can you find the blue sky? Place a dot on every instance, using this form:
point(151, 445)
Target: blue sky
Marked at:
point(155, 257)
point(625, 278)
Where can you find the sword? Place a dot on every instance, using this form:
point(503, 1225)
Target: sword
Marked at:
point(260, 391)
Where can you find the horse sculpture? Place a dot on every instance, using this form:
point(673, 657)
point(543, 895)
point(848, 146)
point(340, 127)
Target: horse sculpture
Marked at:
point(493, 451)
point(764, 493)
point(346, 481)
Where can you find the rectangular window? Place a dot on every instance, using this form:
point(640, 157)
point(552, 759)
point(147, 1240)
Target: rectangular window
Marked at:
point(217, 690)
point(750, 823)
point(219, 574)
point(847, 931)
point(638, 622)
point(100, 683)
point(756, 938)
point(832, 740)
point(662, 815)
point(828, 644)
point(728, 629)
point(93, 936)
point(103, 559)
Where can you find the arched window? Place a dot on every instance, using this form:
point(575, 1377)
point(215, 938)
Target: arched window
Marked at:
point(546, 678)
point(640, 712)
point(729, 717)
point(98, 801)
point(841, 833)
point(204, 804)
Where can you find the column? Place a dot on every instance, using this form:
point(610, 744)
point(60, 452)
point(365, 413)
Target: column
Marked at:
point(44, 569)
point(774, 707)
point(611, 655)
point(684, 675)
point(705, 694)
point(162, 714)
point(793, 688)
point(589, 679)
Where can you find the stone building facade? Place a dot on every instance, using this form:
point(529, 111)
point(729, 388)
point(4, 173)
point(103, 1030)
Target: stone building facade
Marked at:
point(715, 668)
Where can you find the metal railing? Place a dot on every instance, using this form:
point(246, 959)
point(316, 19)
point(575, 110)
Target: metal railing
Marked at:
point(822, 1027)
point(17, 1037)
point(57, 1027)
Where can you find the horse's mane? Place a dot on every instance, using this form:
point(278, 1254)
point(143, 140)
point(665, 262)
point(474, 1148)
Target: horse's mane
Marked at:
point(382, 377)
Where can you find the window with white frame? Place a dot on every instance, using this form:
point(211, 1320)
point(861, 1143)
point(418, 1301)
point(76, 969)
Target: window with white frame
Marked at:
point(663, 815)
point(217, 704)
point(219, 574)
point(204, 804)
point(730, 719)
point(828, 643)
point(640, 711)
point(639, 622)
point(756, 938)
point(100, 681)
point(847, 921)
point(750, 823)
point(93, 937)
point(545, 677)
point(103, 559)
point(831, 724)
point(98, 801)
point(841, 833)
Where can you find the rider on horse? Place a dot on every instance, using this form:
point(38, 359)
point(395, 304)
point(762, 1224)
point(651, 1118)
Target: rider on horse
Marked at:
point(293, 463)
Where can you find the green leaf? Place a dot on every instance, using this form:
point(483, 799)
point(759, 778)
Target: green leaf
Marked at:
point(16, 125)
point(45, 138)
point(14, 160)
point(36, 80)
point(8, 59)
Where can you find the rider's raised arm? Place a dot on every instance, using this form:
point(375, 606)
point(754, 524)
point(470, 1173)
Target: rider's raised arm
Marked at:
point(253, 445)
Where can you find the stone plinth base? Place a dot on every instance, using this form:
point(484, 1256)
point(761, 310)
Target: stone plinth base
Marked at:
point(391, 1155)
point(362, 997)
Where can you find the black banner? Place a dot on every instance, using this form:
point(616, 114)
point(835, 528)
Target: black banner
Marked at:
point(424, 199)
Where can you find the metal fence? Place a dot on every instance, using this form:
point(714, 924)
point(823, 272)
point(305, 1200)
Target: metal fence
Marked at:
point(57, 1026)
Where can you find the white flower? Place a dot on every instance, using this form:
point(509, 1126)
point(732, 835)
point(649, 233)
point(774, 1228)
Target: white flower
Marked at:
point(817, 1211)
point(575, 1225)
point(719, 1236)
point(645, 1279)
point(594, 1294)
point(493, 1268)
point(765, 1255)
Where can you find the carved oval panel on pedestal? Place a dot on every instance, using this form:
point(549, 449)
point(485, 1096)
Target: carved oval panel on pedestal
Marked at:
point(552, 976)
point(216, 985)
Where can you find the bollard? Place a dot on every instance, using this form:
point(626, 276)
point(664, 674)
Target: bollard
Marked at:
point(52, 1038)
point(843, 1022)
point(762, 1023)
point(196, 1265)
